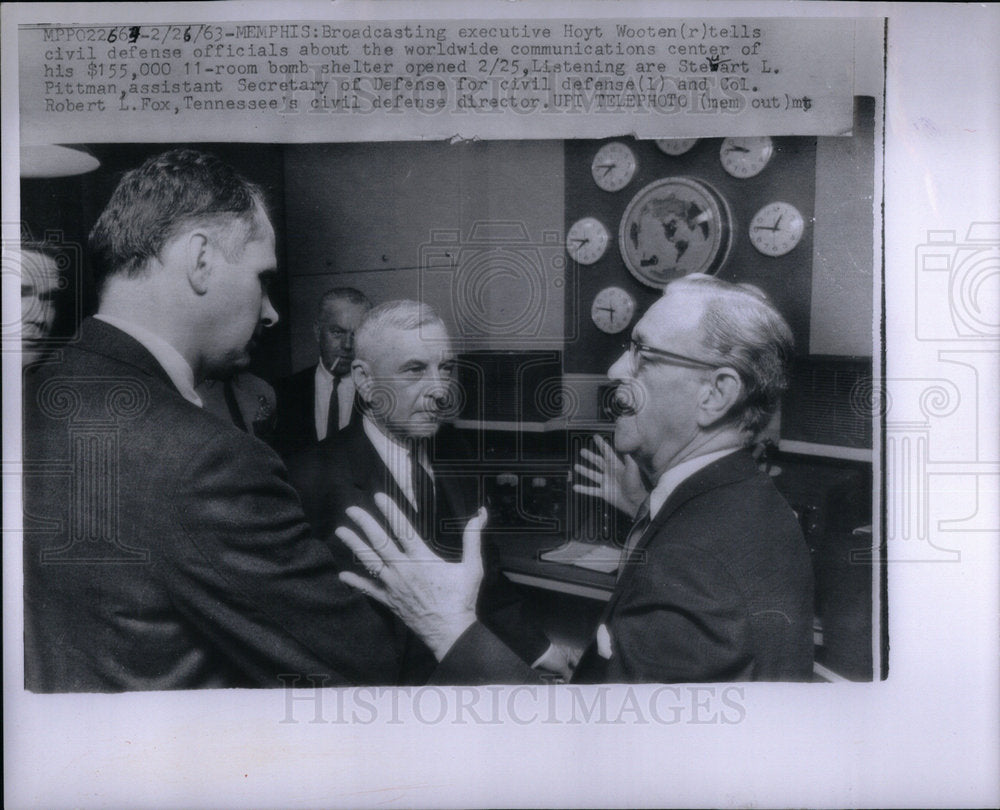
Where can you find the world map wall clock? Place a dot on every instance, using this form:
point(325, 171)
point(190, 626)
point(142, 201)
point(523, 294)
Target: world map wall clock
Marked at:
point(674, 227)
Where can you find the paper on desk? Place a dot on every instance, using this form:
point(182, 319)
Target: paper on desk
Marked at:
point(601, 558)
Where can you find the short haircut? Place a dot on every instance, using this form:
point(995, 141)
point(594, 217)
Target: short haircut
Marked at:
point(743, 330)
point(171, 191)
point(401, 314)
point(349, 294)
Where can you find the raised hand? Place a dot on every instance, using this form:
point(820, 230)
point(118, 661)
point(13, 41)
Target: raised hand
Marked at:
point(616, 479)
point(436, 598)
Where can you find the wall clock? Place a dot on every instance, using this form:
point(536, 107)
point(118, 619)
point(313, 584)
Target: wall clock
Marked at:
point(776, 228)
point(675, 146)
point(674, 227)
point(587, 240)
point(613, 166)
point(745, 157)
point(612, 310)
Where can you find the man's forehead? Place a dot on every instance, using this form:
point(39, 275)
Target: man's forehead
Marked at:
point(677, 314)
point(427, 342)
point(341, 309)
point(39, 269)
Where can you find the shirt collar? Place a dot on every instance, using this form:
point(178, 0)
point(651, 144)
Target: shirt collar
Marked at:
point(676, 475)
point(394, 454)
point(323, 374)
point(171, 360)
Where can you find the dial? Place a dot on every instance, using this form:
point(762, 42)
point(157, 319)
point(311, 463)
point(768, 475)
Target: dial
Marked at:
point(587, 240)
point(675, 146)
point(673, 227)
point(612, 310)
point(776, 228)
point(613, 166)
point(746, 157)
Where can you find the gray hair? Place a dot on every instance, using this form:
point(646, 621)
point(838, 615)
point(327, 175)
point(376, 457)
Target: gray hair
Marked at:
point(743, 330)
point(348, 294)
point(401, 314)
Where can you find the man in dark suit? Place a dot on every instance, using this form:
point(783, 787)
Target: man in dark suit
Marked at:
point(318, 401)
point(403, 373)
point(163, 547)
point(715, 582)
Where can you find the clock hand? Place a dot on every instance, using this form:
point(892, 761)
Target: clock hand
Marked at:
point(777, 222)
point(581, 241)
point(737, 149)
point(606, 166)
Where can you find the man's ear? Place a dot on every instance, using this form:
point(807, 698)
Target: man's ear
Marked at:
point(719, 395)
point(198, 261)
point(361, 375)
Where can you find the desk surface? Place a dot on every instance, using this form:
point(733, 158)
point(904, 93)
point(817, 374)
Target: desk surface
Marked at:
point(520, 560)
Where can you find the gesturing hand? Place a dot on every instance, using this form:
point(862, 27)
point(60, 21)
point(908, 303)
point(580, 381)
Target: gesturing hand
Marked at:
point(436, 598)
point(616, 479)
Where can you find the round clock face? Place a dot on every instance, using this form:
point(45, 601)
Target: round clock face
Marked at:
point(674, 227)
point(613, 166)
point(776, 228)
point(745, 157)
point(612, 310)
point(675, 146)
point(587, 240)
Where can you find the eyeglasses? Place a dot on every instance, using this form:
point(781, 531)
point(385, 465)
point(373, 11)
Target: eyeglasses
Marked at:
point(636, 350)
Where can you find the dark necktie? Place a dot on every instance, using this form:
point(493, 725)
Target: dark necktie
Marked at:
point(635, 533)
point(333, 414)
point(233, 406)
point(423, 492)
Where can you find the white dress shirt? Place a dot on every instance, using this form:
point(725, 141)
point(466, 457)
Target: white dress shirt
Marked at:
point(321, 402)
point(171, 360)
point(396, 457)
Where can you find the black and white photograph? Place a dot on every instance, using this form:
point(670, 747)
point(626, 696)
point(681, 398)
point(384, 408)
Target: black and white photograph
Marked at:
point(488, 406)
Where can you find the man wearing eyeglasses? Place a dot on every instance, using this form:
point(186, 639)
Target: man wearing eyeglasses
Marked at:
point(715, 582)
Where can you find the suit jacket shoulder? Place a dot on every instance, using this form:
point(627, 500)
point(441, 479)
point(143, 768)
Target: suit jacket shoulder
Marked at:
point(169, 550)
point(719, 588)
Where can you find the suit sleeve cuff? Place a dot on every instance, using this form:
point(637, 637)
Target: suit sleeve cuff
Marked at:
point(478, 658)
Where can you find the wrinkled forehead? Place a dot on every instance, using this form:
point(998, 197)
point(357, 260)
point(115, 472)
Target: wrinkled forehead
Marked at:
point(340, 313)
point(674, 319)
point(428, 344)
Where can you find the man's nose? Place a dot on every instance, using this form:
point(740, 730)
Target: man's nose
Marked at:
point(268, 314)
point(620, 368)
point(347, 341)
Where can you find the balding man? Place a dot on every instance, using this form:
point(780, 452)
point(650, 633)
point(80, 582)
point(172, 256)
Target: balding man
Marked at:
point(715, 582)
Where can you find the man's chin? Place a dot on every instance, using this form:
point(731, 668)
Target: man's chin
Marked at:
point(624, 435)
point(422, 428)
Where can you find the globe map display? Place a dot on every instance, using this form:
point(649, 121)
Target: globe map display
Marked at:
point(671, 229)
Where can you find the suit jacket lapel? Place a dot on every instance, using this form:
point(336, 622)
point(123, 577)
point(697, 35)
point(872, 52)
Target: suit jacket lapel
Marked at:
point(307, 405)
point(729, 469)
point(370, 473)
